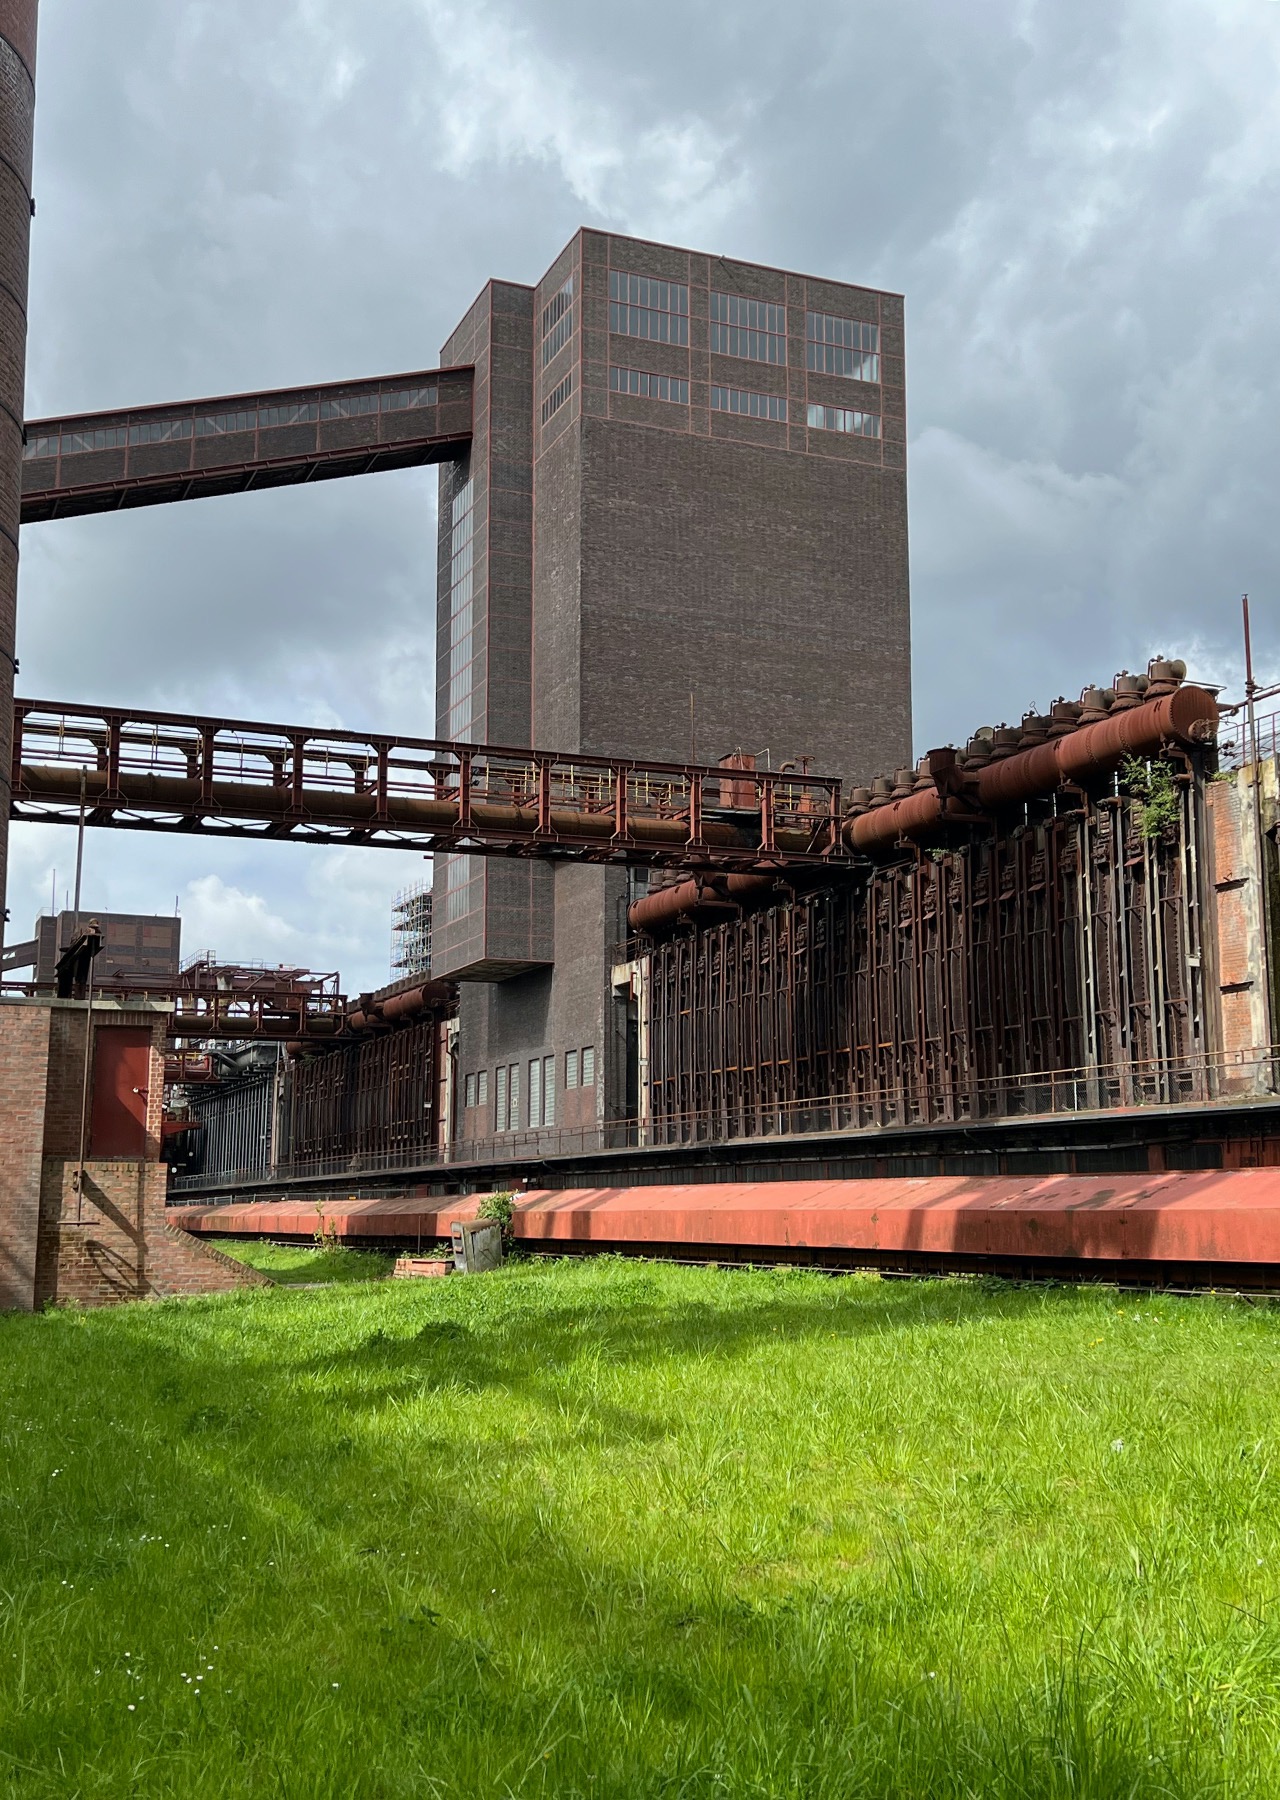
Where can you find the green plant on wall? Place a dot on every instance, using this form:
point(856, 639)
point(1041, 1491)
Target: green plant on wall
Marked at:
point(1153, 786)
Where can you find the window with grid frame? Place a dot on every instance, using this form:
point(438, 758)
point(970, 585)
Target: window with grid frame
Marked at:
point(848, 347)
point(589, 1065)
point(571, 1068)
point(469, 1092)
point(749, 405)
point(647, 386)
point(755, 329)
point(557, 322)
point(462, 639)
point(557, 397)
point(640, 306)
point(500, 1119)
point(843, 418)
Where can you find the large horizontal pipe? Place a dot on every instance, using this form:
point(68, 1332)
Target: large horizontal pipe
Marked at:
point(357, 811)
point(404, 1005)
point(1187, 717)
point(672, 903)
point(885, 826)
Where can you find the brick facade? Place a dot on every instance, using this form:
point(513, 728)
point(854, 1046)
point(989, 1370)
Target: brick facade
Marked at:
point(111, 1240)
point(631, 552)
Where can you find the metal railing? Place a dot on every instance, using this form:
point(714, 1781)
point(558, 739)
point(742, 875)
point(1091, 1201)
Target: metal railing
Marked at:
point(1244, 1074)
point(154, 771)
point(1235, 749)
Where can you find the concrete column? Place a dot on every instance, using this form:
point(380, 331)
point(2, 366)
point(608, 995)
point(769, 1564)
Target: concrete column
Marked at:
point(17, 114)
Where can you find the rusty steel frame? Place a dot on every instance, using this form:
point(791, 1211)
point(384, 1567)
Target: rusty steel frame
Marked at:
point(179, 773)
point(377, 1096)
point(954, 985)
point(129, 475)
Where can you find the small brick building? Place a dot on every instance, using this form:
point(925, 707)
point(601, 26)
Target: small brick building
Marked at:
point(92, 1231)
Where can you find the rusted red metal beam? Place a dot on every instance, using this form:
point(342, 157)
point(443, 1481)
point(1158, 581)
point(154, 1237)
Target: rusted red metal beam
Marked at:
point(1202, 1228)
point(151, 455)
point(175, 772)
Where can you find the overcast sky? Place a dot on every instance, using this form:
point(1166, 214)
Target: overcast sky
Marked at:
point(1078, 199)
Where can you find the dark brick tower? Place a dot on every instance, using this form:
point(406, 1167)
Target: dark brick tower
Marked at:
point(682, 531)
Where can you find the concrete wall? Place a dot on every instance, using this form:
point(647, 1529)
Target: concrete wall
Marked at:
point(1246, 918)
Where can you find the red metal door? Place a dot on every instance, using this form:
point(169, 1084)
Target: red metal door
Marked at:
point(121, 1077)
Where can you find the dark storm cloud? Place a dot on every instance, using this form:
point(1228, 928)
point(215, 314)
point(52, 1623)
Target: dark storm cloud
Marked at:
point(1079, 203)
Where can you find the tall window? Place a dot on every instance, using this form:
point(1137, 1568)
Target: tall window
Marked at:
point(644, 308)
point(463, 881)
point(842, 347)
point(542, 1091)
point(751, 406)
point(506, 1106)
point(571, 1068)
point(557, 322)
point(557, 397)
point(649, 387)
point(589, 1066)
point(458, 706)
point(841, 418)
point(751, 328)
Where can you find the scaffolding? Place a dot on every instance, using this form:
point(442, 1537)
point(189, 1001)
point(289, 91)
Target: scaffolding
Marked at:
point(411, 931)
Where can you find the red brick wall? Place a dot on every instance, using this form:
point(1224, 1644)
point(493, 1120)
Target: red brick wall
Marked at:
point(24, 1056)
point(111, 1241)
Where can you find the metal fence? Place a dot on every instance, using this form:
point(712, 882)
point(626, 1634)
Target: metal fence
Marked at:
point(1247, 1074)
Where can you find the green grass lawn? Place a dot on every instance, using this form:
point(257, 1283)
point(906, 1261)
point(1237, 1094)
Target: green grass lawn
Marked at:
point(307, 1265)
point(614, 1529)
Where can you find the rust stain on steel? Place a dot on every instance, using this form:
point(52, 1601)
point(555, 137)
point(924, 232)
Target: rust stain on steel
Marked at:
point(172, 771)
point(1186, 717)
point(1185, 1218)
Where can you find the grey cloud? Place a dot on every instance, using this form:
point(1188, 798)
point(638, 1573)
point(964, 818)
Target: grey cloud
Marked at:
point(1079, 203)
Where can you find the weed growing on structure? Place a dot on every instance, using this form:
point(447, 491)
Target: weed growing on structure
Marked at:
point(1152, 784)
point(619, 1529)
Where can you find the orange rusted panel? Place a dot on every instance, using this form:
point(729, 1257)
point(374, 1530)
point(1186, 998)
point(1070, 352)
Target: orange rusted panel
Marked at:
point(1211, 1216)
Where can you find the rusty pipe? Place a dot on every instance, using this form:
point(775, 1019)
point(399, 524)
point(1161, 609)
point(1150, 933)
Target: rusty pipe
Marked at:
point(1188, 717)
point(179, 794)
point(672, 903)
point(884, 826)
point(404, 1005)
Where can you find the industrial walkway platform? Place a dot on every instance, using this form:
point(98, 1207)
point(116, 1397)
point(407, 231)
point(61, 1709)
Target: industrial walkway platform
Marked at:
point(1204, 1228)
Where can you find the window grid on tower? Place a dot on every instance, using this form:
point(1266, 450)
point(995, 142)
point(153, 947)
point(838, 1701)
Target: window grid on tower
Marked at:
point(557, 322)
point(462, 635)
point(848, 347)
point(755, 329)
point(642, 307)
